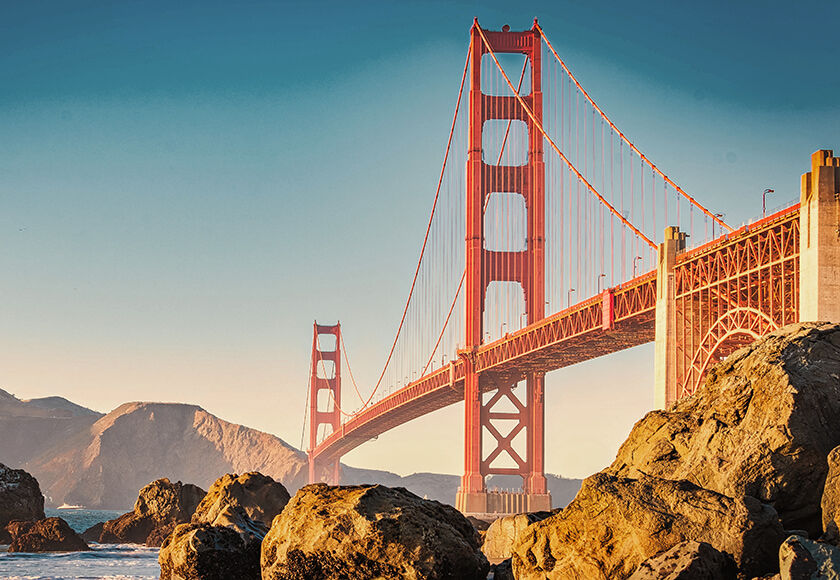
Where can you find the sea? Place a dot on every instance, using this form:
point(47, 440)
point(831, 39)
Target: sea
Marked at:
point(111, 561)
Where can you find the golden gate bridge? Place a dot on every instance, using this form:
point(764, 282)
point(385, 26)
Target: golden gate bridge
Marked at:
point(554, 240)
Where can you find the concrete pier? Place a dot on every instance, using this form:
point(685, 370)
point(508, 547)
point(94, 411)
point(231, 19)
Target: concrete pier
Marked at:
point(819, 240)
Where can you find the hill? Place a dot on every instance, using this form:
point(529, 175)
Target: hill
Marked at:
point(82, 457)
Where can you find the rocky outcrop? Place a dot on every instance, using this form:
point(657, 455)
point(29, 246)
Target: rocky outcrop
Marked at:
point(259, 497)
point(105, 465)
point(761, 426)
point(502, 533)
point(20, 498)
point(93, 533)
point(46, 535)
point(830, 502)
point(802, 559)
point(223, 541)
point(687, 561)
point(370, 531)
point(614, 524)
point(198, 551)
point(160, 506)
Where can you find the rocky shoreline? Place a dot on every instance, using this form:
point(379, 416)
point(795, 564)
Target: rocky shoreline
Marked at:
point(738, 482)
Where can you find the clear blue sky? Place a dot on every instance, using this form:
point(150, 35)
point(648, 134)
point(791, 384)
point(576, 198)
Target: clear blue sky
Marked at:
point(184, 189)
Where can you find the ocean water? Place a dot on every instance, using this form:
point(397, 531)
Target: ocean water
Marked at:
point(112, 561)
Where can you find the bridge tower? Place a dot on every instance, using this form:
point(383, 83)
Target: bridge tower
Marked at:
point(324, 396)
point(484, 266)
point(819, 246)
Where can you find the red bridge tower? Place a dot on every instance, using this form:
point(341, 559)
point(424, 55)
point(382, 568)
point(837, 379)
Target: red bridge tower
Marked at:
point(324, 397)
point(484, 266)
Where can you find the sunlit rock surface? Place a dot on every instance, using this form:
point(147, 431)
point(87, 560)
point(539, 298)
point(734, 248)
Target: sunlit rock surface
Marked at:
point(260, 497)
point(762, 425)
point(46, 535)
point(365, 532)
point(687, 561)
point(160, 506)
point(197, 551)
point(614, 524)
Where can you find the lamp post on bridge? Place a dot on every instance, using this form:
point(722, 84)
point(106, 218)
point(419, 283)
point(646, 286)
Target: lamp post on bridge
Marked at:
point(720, 216)
point(635, 261)
point(569, 297)
point(601, 275)
point(764, 201)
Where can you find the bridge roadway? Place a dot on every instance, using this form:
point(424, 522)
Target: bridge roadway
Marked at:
point(617, 319)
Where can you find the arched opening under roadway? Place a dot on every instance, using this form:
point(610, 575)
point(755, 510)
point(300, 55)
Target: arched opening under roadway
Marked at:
point(734, 329)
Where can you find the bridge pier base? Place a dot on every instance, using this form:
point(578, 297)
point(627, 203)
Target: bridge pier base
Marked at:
point(819, 235)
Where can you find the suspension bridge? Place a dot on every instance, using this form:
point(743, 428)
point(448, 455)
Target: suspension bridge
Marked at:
point(554, 240)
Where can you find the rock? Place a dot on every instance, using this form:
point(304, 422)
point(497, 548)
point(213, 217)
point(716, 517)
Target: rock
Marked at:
point(258, 495)
point(47, 535)
point(802, 559)
point(502, 570)
point(20, 496)
point(614, 524)
point(370, 531)
point(93, 533)
point(687, 561)
point(160, 506)
point(830, 502)
point(14, 529)
point(762, 425)
point(502, 533)
point(478, 523)
point(198, 551)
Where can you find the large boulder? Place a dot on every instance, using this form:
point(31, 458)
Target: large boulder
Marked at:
point(198, 551)
point(20, 496)
point(802, 559)
point(614, 524)
point(160, 506)
point(830, 502)
point(46, 535)
point(687, 561)
point(502, 533)
point(762, 425)
point(370, 531)
point(259, 496)
point(209, 550)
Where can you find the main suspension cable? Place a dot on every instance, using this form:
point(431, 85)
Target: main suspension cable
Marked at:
point(551, 142)
point(621, 135)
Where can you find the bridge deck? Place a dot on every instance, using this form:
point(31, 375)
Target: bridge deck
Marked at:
point(615, 320)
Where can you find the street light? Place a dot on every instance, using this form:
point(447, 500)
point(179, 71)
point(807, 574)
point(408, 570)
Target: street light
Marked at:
point(634, 264)
point(764, 201)
point(720, 216)
point(569, 297)
point(602, 275)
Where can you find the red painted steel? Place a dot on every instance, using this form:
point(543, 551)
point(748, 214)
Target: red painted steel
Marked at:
point(573, 335)
point(728, 294)
point(752, 270)
point(484, 266)
point(321, 379)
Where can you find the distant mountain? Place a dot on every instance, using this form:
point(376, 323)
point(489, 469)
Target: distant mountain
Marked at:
point(59, 406)
point(104, 465)
point(30, 428)
point(81, 457)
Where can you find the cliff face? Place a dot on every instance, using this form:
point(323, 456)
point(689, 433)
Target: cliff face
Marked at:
point(104, 466)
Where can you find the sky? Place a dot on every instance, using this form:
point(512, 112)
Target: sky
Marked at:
point(185, 187)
